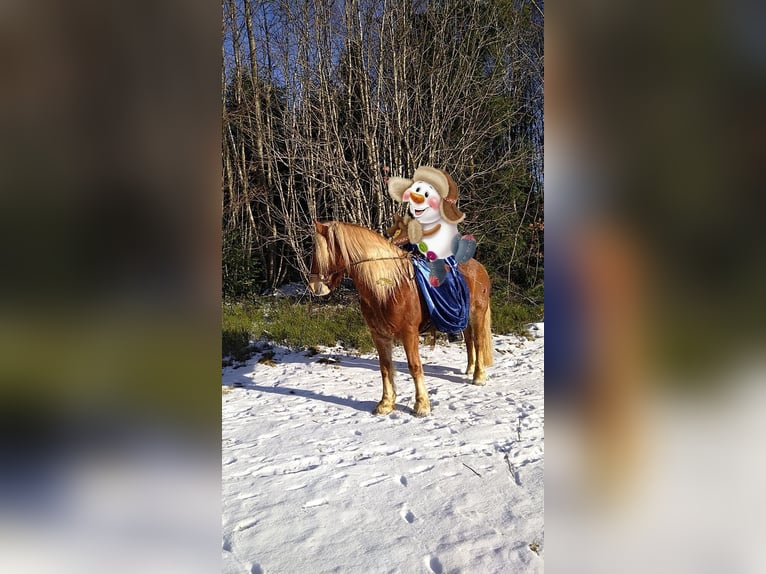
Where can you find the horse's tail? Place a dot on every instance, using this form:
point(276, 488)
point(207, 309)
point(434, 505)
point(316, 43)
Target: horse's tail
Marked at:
point(487, 347)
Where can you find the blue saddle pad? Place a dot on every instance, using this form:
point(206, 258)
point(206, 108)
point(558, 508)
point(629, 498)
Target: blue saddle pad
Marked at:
point(448, 303)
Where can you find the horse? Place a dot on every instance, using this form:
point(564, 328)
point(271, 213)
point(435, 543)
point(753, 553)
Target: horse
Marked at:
point(392, 305)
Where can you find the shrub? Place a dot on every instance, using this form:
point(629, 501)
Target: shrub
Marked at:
point(512, 311)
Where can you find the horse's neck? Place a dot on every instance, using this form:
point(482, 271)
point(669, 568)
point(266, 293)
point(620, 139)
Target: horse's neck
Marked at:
point(364, 267)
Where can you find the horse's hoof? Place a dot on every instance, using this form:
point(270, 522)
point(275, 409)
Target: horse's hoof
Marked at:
point(383, 408)
point(422, 410)
point(480, 382)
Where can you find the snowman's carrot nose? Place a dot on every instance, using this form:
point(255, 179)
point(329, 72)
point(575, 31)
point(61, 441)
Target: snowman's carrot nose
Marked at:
point(417, 198)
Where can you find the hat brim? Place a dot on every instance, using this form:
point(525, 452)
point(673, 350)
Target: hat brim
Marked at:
point(397, 186)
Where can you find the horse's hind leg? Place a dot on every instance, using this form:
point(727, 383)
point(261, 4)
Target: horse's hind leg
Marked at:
point(470, 349)
point(479, 344)
point(422, 404)
point(387, 371)
point(479, 372)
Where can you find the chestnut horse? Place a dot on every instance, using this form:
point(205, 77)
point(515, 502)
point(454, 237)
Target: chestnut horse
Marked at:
point(392, 305)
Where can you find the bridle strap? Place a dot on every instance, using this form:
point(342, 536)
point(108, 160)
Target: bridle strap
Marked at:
point(325, 278)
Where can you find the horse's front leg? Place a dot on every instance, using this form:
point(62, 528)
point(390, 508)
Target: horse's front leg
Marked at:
point(387, 371)
point(422, 404)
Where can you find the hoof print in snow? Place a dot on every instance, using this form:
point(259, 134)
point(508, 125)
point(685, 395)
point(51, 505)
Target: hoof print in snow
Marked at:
point(407, 515)
point(299, 440)
point(434, 564)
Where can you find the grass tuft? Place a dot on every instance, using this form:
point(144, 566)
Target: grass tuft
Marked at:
point(267, 358)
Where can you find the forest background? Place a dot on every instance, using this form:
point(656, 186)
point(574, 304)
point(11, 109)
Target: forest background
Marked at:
point(323, 101)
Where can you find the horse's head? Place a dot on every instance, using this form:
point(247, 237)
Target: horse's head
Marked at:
point(327, 265)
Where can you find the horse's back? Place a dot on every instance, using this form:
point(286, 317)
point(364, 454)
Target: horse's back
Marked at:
point(476, 277)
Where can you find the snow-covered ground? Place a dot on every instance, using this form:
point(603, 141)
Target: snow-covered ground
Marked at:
point(314, 482)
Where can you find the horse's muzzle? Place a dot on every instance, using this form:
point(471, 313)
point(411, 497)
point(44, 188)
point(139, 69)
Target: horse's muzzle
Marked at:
point(317, 286)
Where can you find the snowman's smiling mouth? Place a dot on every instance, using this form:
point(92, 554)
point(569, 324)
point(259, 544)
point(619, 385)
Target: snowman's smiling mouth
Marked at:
point(418, 212)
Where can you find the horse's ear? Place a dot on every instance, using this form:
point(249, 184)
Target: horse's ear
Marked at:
point(321, 228)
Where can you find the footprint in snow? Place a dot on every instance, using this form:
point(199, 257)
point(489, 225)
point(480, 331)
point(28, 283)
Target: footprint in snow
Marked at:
point(407, 515)
point(434, 564)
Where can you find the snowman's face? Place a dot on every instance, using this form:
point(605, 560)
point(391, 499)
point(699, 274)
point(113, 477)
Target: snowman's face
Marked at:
point(424, 202)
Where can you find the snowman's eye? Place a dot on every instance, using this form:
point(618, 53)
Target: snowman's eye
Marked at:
point(427, 193)
point(417, 189)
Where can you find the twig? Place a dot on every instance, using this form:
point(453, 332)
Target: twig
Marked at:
point(472, 470)
point(512, 469)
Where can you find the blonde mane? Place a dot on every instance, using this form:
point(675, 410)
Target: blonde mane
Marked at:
point(369, 258)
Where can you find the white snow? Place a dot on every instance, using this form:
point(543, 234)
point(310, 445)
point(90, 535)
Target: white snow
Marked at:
point(314, 482)
point(288, 290)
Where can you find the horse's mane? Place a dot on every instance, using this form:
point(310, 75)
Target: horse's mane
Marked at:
point(370, 258)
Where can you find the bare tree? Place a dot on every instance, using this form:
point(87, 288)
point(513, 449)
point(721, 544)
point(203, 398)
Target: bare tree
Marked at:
point(324, 100)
